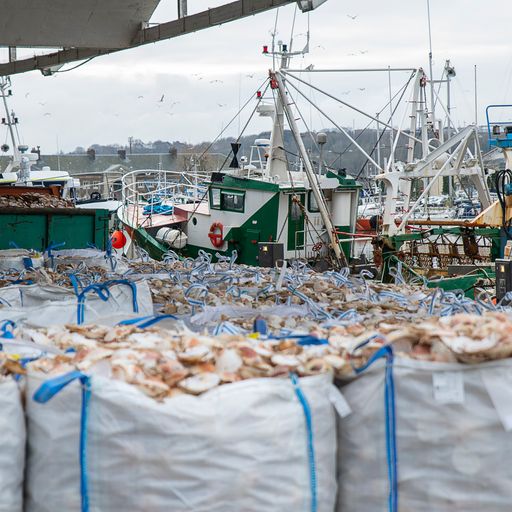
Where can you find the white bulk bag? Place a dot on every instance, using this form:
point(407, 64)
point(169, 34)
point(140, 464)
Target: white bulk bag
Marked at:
point(91, 258)
point(20, 259)
point(239, 447)
point(45, 305)
point(10, 296)
point(453, 437)
point(12, 446)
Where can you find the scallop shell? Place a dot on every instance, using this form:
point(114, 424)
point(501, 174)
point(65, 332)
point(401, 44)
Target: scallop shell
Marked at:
point(285, 361)
point(200, 383)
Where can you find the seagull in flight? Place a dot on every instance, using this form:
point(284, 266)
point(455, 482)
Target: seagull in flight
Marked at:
point(216, 82)
point(42, 104)
point(47, 114)
point(362, 52)
point(345, 92)
point(362, 88)
point(250, 76)
point(352, 17)
point(320, 46)
point(221, 104)
point(140, 97)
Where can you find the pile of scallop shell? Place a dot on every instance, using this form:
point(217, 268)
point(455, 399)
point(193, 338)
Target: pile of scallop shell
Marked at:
point(167, 363)
point(464, 338)
point(34, 200)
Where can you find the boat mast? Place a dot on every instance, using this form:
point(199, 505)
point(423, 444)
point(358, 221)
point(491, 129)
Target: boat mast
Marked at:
point(341, 260)
point(278, 165)
point(5, 83)
point(432, 103)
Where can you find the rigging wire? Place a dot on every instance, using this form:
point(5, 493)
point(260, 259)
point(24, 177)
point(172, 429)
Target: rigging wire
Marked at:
point(229, 154)
point(329, 119)
point(383, 131)
point(401, 90)
point(234, 118)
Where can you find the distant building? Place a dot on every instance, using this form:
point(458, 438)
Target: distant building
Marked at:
point(77, 164)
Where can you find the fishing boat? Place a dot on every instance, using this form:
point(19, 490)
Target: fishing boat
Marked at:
point(264, 206)
point(20, 170)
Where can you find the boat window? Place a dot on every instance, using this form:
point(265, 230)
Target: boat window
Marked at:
point(312, 204)
point(232, 201)
point(215, 198)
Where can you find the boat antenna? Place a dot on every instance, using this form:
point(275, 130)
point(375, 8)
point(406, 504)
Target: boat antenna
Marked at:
point(293, 27)
point(432, 112)
point(476, 110)
point(305, 50)
point(274, 33)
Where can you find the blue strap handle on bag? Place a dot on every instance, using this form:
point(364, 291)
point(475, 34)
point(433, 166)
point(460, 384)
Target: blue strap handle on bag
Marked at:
point(147, 321)
point(103, 292)
point(46, 392)
point(28, 263)
point(133, 288)
point(6, 329)
point(49, 249)
point(386, 352)
point(302, 339)
point(301, 397)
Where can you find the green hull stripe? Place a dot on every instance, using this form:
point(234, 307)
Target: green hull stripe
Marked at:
point(154, 248)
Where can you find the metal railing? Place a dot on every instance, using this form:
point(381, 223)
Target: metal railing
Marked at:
point(154, 187)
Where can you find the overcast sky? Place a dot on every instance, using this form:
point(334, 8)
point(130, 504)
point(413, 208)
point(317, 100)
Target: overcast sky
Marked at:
point(204, 76)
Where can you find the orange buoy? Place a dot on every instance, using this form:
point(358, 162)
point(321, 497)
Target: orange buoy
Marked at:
point(118, 239)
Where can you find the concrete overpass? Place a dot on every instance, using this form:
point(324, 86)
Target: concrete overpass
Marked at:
point(85, 29)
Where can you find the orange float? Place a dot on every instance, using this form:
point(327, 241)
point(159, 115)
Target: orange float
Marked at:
point(118, 239)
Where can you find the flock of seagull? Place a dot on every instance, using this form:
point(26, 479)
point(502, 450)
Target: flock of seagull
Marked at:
point(199, 77)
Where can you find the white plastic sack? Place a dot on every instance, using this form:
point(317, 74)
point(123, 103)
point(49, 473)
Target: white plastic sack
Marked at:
point(216, 313)
point(91, 258)
point(454, 439)
point(239, 448)
point(12, 447)
point(45, 305)
point(10, 296)
point(19, 259)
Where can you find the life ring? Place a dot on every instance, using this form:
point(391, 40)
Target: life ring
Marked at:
point(216, 234)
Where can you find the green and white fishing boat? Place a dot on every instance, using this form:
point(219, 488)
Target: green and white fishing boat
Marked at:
point(263, 206)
